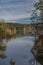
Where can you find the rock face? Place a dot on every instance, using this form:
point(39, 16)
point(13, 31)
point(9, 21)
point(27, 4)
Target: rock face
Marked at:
point(40, 29)
point(37, 49)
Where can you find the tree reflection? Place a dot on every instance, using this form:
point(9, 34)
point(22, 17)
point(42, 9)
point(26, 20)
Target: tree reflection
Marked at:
point(33, 62)
point(2, 55)
point(2, 49)
point(12, 62)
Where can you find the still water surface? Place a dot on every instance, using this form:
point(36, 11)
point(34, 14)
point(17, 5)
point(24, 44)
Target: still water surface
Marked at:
point(19, 50)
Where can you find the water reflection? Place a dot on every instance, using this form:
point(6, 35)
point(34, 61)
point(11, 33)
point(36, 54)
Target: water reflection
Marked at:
point(2, 49)
point(33, 62)
point(16, 50)
point(12, 62)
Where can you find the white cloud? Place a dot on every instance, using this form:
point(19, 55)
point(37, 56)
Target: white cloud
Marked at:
point(15, 10)
point(15, 17)
point(11, 6)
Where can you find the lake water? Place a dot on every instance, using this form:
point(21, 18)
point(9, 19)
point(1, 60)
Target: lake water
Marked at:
point(19, 50)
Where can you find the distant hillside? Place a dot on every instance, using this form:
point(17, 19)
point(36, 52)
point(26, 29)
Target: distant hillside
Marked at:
point(13, 24)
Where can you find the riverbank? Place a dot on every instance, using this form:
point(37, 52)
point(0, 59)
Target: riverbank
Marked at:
point(11, 29)
point(37, 49)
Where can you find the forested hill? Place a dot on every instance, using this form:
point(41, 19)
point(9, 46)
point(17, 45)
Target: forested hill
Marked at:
point(13, 24)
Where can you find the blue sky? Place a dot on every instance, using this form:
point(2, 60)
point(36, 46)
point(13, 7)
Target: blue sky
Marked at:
point(16, 10)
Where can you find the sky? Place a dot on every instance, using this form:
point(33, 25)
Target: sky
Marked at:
point(16, 10)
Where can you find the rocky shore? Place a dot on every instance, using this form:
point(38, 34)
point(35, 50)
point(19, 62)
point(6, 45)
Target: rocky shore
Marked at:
point(37, 49)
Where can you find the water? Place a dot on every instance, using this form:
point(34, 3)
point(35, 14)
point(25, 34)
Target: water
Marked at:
point(18, 50)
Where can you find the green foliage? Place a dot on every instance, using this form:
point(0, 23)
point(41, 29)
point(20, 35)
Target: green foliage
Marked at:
point(3, 48)
point(3, 55)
